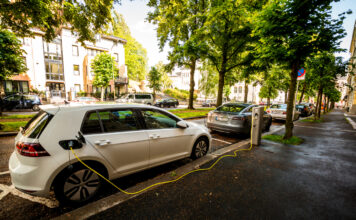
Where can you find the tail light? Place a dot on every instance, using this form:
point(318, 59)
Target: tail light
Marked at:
point(238, 118)
point(31, 149)
point(268, 111)
point(305, 108)
point(284, 113)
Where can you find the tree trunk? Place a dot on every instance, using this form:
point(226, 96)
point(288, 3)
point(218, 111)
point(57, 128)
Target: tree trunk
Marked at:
point(317, 104)
point(102, 94)
point(302, 94)
point(154, 95)
point(220, 88)
point(192, 84)
point(286, 96)
point(268, 102)
point(292, 87)
point(320, 102)
point(246, 92)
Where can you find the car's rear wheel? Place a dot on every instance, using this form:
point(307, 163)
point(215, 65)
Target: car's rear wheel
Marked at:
point(200, 148)
point(35, 108)
point(77, 186)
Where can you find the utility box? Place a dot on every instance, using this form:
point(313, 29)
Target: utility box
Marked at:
point(256, 126)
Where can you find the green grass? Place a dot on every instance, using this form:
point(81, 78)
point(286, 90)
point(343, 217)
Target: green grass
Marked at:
point(16, 116)
point(312, 120)
point(188, 113)
point(12, 126)
point(279, 138)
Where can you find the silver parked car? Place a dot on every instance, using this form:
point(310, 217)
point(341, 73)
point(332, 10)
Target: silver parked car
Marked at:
point(136, 98)
point(279, 111)
point(235, 117)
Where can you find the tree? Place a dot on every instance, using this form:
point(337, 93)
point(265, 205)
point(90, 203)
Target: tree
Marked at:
point(84, 17)
point(135, 53)
point(166, 81)
point(11, 61)
point(154, 79)
point(105, 69)
point(292, 30)
point(208, 84)
point(228, 32)
point(179, 24)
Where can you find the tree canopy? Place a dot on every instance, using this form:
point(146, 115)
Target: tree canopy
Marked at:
point(154, 79)
point(84, 17)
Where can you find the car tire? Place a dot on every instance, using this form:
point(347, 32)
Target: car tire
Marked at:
point(35, 108)
point(69, 188)
point(268, 125)
point(200, 148)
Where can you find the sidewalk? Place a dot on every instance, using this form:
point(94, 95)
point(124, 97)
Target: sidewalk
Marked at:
point(315, 180)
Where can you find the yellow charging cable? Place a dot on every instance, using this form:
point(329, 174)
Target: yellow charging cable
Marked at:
point(164, 182)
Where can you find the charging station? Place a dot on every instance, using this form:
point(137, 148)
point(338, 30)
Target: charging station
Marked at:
point(256, 126)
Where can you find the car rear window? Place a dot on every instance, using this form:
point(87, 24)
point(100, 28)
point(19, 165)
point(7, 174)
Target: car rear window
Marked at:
point(36, 125)
point(91, 124)
point(231, 108)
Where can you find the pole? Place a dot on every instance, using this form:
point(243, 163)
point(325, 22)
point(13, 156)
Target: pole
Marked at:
point(113, 78)
point(295, 99)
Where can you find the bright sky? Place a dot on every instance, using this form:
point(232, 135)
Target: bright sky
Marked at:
point(135, 14)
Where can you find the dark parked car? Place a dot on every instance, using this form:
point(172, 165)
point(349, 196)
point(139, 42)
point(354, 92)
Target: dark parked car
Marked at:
point(303, 109)
point(21, 102)
point(167, 103)
point(235, 118)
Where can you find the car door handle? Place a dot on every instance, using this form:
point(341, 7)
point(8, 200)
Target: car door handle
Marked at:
point(153, 136)
point(102, 142)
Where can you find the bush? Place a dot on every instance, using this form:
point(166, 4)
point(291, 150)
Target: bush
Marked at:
point(178, 93)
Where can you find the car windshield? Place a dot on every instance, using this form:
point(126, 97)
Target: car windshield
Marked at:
point(231, 108)
point(299, 106)
point(279, 106)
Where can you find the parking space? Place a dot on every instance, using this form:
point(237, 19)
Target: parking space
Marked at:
point(13, 203)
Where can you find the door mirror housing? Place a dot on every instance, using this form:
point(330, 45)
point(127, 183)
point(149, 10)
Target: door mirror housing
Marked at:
point(182, 124)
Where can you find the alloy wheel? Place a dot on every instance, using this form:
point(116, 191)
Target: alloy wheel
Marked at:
point(201, 149)
point(81, 185)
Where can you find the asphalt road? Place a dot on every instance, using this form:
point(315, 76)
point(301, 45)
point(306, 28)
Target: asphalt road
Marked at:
point(16, 205)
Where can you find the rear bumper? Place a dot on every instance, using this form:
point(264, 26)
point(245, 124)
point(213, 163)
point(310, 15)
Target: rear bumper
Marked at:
point(227, 128)
point(30, 178)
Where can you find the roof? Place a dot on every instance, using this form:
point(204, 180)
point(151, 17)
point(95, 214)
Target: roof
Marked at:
point(53, 109)
point(353, 41)
point(111, 37)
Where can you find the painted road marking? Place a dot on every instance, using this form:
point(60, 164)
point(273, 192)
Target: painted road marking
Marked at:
point(353, 124)
point(11, 189)
point(226, 142)
point(3, 173)
point(325, 129)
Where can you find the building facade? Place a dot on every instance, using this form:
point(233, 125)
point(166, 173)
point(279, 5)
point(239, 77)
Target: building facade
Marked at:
point(61, 68)
point(351, 79)
point(181, 78)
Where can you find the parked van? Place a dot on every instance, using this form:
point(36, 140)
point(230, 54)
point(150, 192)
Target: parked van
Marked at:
point(136, 98)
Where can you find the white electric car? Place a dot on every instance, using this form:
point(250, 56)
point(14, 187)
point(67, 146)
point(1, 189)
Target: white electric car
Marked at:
point(116, 140)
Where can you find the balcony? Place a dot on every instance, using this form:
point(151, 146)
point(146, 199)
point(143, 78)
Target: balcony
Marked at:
point(121, 80)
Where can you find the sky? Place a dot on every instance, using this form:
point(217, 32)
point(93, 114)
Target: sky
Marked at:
point(135, 14)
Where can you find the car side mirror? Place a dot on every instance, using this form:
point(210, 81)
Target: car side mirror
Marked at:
point(182, 124)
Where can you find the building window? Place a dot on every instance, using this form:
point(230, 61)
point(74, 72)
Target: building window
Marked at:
point(77, 87)
point(116, 55)
point(53, 59)
point(16, 87)
point(235, 89)
point(75, 50)
point(240, 89)
point(76, 70)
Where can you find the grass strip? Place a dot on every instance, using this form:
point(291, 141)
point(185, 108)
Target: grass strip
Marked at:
point(312, 120)
point(188, 113)
point(12, 126)
point(279, 138)
point(16, 116)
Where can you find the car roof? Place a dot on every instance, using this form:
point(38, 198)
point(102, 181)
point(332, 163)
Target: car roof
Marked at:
point(53, 109)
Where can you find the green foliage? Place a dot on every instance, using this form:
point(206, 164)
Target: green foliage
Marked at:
point(154, 79)
point(11, 61)
point(274, 79)
point(12, 125)
point(208, 84)
point(85, 17)
point(135, 53)
point(166, 81)
point(105, 69)
point(178, 94)
point(16, 116)
point(279, 138)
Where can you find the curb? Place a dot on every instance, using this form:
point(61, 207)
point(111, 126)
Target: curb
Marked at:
point(353, 124)
point(8, 134)
point(103, 204)
point(197, 117)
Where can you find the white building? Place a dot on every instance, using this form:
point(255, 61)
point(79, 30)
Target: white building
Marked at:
point(181, 78)
point(62, 67)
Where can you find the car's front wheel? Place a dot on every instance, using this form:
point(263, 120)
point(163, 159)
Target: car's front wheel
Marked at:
point(200, 148)
point(77, 186)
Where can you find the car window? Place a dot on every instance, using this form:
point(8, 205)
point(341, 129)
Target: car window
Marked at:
point(131, 96)
point(36, 125)
point(147, 96)
point(118, 120)
point(158, 120)
point(30, 97)
point(281, 106)
point(91, 124)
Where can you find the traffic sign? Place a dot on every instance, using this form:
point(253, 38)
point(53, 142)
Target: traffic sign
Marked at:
point(301, 74)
